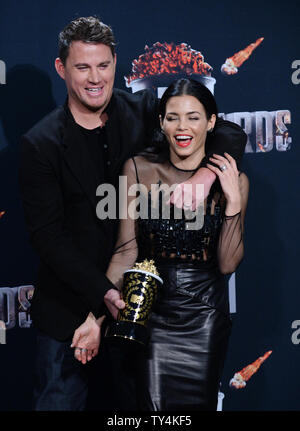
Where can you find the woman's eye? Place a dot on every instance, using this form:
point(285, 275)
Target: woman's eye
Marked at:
point(171, 118)
point(194, 118)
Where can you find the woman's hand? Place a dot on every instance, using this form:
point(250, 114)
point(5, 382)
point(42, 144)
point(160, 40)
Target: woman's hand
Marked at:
point(228, 175)
point(86, 339)
point(114, 301)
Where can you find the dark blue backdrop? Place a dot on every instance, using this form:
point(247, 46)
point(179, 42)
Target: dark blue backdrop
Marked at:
point(267, 282)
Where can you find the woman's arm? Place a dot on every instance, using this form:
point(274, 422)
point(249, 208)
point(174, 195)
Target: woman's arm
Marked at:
point(126, 250)
point(236, 189)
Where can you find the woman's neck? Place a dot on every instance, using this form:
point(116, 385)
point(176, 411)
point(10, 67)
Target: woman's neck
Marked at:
point(189, 163)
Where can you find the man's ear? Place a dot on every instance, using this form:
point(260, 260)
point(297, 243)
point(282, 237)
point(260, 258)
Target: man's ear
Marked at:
point(60, 68)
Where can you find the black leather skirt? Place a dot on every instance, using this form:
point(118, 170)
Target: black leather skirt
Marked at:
point(190, 327)
point(181, 367)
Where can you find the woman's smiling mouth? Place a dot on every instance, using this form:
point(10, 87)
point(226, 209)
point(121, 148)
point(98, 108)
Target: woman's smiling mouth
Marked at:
point(183, 140)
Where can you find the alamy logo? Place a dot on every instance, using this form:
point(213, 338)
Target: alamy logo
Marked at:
point(296, 75)
point(2, 332)
point(296, 334)
point(134, 203)
point(2, 72)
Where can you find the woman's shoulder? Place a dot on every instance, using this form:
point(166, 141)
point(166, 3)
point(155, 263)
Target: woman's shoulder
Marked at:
point(143, 164)
point(140, 166)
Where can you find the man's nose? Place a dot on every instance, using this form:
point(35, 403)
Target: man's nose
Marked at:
point(94, 75)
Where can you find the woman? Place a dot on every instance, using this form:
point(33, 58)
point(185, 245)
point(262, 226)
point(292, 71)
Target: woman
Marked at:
point(190, 322)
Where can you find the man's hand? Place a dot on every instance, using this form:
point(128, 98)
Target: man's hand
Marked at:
point(187, 196)
point(86, 339)
point(114, 302)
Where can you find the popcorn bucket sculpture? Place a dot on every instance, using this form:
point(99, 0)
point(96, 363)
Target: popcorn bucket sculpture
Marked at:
point(163, 63)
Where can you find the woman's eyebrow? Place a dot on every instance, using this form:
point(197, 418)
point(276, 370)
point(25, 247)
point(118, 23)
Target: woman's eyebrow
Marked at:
point(187, 113)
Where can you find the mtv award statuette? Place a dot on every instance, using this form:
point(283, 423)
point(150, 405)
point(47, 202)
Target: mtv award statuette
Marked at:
point(139, 292)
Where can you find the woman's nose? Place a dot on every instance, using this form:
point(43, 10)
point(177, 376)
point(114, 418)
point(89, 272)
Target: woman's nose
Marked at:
point(182, 125)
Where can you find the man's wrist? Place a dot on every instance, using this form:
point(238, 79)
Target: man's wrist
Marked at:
point(205, 175)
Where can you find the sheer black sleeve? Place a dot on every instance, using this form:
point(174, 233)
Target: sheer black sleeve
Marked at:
point(231, 244)
point(126, 250)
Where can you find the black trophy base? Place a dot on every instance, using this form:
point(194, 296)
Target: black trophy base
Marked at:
point(128, 330)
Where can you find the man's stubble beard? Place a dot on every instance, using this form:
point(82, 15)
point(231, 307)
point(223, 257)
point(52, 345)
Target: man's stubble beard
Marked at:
point(79, 101)
point(94, 109)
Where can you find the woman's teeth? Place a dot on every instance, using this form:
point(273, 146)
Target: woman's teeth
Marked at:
point(183, 137)
point(183, 140)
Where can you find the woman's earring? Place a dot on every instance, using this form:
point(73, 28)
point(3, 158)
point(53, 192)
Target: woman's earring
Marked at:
point(210, 130)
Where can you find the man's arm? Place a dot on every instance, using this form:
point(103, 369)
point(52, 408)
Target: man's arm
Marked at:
point(44, 214)
point(226, 137)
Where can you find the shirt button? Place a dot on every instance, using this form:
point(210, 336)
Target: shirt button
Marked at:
point(108, 163)
point(105, 145)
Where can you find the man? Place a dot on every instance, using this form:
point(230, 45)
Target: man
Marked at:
point(63, 160)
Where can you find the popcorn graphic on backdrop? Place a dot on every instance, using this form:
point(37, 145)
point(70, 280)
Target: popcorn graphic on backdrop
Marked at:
point(241, 377)
point(231, 65)
point(161, 63)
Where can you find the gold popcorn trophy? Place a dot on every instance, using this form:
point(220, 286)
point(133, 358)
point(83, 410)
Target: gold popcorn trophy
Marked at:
point(139, 292)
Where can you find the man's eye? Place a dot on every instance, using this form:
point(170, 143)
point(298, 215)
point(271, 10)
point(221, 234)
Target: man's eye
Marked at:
point(194, 118)
point(82, 67)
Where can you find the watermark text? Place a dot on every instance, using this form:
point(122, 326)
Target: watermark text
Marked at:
point(137, 202)
point(296, 74)
point(296, 334)
point(2, 72)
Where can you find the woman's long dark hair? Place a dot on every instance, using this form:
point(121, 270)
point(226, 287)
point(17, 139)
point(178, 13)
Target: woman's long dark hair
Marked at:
point(159, 150)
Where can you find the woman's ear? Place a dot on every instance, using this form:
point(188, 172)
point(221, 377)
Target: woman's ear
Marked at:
point(211, 123)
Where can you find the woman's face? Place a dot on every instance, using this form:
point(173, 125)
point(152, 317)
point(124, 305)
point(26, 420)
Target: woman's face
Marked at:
point(185, 126)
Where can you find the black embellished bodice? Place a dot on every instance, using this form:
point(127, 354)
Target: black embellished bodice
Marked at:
point(181, 238)
point(155, 229)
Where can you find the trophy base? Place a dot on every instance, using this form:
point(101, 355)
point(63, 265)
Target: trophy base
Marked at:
point(128, 330)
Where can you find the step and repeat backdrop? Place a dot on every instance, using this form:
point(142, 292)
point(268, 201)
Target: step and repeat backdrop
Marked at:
point(248, 56)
